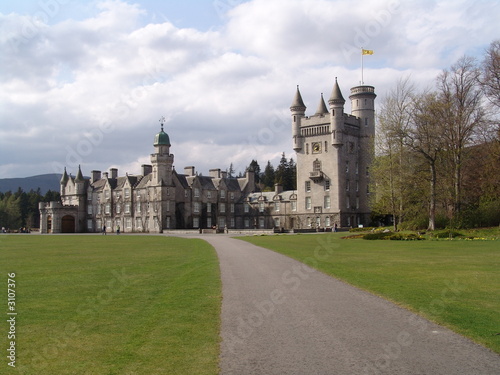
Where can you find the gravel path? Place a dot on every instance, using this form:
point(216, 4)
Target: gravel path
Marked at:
point(281, 317)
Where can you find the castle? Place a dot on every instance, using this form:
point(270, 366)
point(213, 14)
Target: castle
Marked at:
point(333, 154)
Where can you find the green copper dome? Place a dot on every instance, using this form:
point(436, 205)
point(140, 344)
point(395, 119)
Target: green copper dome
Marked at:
point(162, 139)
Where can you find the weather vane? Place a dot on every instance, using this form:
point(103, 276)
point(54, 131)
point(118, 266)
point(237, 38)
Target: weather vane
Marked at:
point(162, 121)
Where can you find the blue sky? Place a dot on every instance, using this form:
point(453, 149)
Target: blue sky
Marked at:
point(85, 82)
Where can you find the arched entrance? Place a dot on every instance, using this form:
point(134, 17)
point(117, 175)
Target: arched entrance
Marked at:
point(49, 224)
point(68, 224)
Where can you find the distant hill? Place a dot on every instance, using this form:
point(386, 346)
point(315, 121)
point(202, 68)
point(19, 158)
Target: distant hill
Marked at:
point(44, 181)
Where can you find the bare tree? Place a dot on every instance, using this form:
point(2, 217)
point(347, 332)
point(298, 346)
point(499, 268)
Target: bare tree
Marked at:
point(490, 75)
point(425, 137)
point(462, 114)
point(390, 170)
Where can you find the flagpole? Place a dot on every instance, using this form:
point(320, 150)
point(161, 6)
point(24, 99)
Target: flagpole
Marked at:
point(362, 80)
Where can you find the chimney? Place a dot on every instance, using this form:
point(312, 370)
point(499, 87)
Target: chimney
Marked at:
point(189, 171)
point(105, 175)
point(250, 176)
point(146, 169)
point(215, 173)
point(278, 189)
point(223, 174)
point(114, 172)
point(96, 175)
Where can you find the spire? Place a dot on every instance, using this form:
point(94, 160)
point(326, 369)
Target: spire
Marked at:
point(64, 178)
point(321, 107)
point(79, 176)
point(336, 97)
point(298, 104)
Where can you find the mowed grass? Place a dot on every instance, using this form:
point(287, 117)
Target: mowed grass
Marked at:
point(454, 283)
point(92, 304)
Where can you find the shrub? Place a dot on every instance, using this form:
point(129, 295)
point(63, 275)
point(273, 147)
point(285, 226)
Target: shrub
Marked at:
point(361, 229)
point(447, 234)
point(406, 237)
point(377, 236)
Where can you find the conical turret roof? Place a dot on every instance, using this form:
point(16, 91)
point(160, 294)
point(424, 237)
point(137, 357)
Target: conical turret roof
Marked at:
point(298, 103)
point(65, 177)
point(321, 107)
point(79, 175)
point(336, 97)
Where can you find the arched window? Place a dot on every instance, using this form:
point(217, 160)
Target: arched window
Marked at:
point(316, 166)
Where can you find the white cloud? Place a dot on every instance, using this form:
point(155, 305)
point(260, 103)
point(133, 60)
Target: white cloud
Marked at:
point(105, 80)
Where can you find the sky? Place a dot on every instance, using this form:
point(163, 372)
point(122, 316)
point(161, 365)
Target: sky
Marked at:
point(87, 82)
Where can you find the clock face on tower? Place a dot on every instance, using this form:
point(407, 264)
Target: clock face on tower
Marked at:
point(316, 147)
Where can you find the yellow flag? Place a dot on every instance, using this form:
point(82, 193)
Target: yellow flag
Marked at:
point(367, 52)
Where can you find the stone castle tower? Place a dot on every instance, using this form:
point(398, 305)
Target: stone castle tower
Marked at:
point(334, 150)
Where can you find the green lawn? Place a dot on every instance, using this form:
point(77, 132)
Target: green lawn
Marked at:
point(454, 283)
point(125, 304)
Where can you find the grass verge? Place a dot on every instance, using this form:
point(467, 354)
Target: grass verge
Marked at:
point(112, 304)
point(453, 283)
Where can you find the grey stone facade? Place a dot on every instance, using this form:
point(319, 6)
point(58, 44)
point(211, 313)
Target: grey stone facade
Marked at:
point(333, 153)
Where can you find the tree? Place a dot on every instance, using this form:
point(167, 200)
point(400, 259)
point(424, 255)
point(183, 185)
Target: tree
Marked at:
point(255, 167)
point(490, 73)
point(425, 137)
point(230, 171)
point(391, 170)
point(462, 114)
point(268, 177)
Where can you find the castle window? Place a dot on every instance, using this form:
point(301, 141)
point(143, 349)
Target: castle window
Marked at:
point(276, 222)
point(222, 222)
point(357, 202)
point(167, 208)
point(106, 194)
point(261, 206)
point(294, 206)
point(107, 208)
point(326, 146)
point(127, 208)
point(196, 222)
point(232, 222)
point(232, 195)
point(357, 168)
point(196, 192)
point(327, 201)
point(138, 223)
point(308, 186)
point(346, 167)
point(223, 194)
point(347, 185)
point(196, 207)
point(98, 209)
point(276, 206)
point(316, 166)
point(261, 223)
point(246, 207)
point(327, 185)
point(366, 121)
point(138, 206)
point(168, 191)
point(89, 210)
point(209, 222)
point(186, 193)
point(127, 192)
point(222, 207)
point(247, 222)
point(308, 203)
point(232, 208)
point(333, 112)
point(307, 148)
point(327, 221)
point(209, 208)
point(348, 202)
point(118, 208)
point(209, 194)
point(357, 185)
point(89, 225)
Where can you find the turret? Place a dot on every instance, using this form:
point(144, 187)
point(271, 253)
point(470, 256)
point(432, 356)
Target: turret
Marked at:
point(363, 106)
point(298, 110)
point(336, 103)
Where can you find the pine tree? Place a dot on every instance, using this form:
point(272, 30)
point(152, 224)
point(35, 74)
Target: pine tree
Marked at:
point(268, 177)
